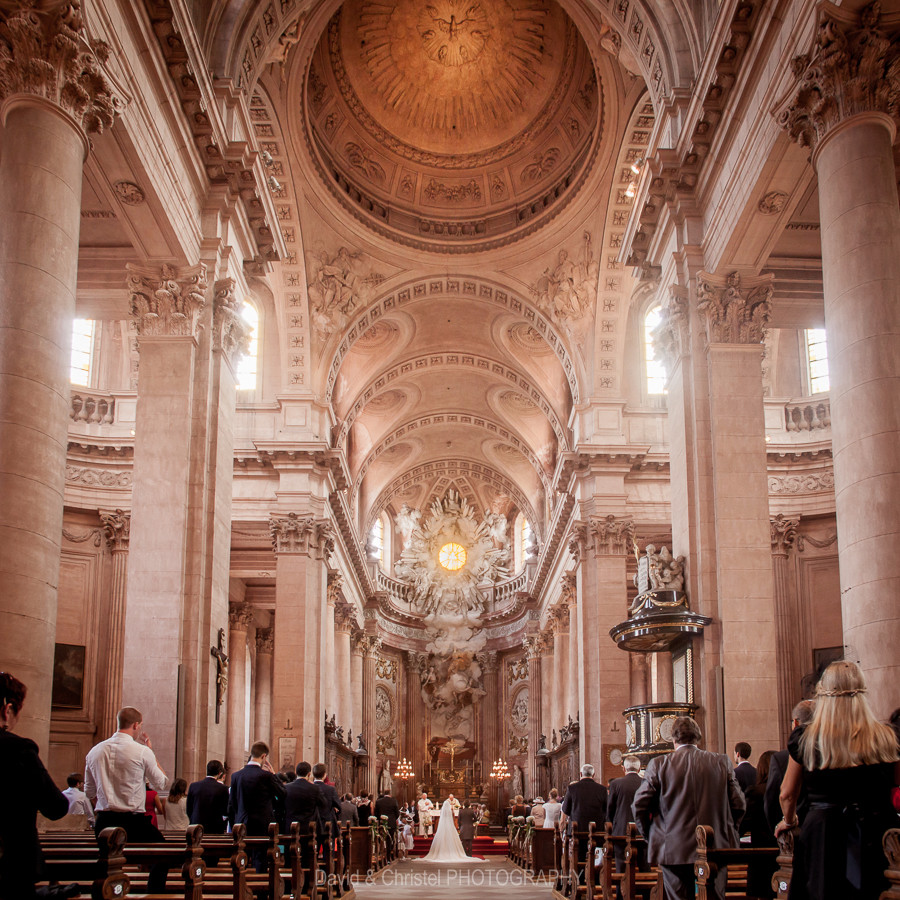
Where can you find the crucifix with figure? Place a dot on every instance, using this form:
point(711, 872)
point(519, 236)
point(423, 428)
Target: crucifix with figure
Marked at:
point(218, 652)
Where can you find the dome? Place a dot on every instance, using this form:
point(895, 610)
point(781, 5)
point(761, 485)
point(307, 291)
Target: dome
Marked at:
point(452, 125)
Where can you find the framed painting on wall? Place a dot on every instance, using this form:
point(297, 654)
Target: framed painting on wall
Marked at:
point(68, 676)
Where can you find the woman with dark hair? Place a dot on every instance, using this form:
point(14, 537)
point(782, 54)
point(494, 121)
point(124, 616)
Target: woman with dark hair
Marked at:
point(760, 871)
point(174, 805)
point(849, 763)
point(25, 789)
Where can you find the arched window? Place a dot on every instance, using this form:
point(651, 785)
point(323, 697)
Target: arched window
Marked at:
point(817, 360)
point(522, 539)
point(246, 371)
point(376, 541)
point(82, 352)
point(654, 370)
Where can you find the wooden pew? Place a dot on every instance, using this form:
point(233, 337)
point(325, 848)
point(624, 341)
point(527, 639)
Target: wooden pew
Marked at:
point(710, 860)
point(577, 876)
point(891, 845)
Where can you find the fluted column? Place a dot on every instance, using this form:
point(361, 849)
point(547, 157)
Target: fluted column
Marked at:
point(302, 545)
point(548, 665)
point(534, 647)
point(117, 527)
point(343, 626)
point(265, 647)
point(370, 647)
point(356, 685)
point(560, 660)
point(845, 108)
point(240, 617)
point(53, 94)
point(783, 535)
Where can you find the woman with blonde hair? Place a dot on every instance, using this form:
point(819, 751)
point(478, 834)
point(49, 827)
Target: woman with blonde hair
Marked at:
point(848, 761)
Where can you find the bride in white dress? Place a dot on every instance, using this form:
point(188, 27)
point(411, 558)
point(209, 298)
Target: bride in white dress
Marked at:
point(446, 846)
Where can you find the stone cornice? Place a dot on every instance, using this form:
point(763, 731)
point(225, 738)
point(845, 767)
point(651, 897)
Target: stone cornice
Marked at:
point(45, 53)
point(293, 533)
point(167, 301)
point(734, 310)
point(853, 67)
point(344, 522)
point(234, 164)
point(674, 174)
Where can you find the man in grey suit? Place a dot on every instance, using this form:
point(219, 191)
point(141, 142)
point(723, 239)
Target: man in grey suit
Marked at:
point(681, 790)
point(467, 827)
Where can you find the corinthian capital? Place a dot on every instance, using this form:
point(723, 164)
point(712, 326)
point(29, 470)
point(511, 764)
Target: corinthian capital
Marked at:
point(671, 337)
point(612, 536)
point(302, 534)
point(334, 591)
point(265, 640)
point(167, 301)
point(853, 67)
point(231, 334)
point(783, 532)
point(736, 311)
point(116, 529)
point(45, 53)
point(240, 616)
point(534, 646)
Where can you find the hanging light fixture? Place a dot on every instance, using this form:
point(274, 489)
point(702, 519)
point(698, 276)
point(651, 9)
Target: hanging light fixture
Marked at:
point(404, 770)
point(500, 770)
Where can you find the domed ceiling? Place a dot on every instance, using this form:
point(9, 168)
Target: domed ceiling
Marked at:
point(453, 125)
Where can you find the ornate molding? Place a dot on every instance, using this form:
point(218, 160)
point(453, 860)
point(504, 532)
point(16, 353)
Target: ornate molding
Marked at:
point(369, 645)
point(516, 670)
point(569, 593)
point(167, 301)
point(852, 68)
point(603, 536)
point(240, 616)
point(302, 534)
point(488, 660)
point(672, 337)
point(783, 531)
point(811, 483)
point(736, 311)
point(265, 640)
point(46, 53)
point(231, 334)
point(116, 529)
point(386, 669)
point(534, 646)
point(344, 618)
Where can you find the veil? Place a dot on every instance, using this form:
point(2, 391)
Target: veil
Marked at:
point(446, 846)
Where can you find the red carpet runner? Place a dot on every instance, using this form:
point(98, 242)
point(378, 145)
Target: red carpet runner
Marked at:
point(482, 846)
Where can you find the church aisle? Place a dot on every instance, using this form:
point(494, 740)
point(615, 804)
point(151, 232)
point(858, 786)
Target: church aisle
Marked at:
point(428, 881)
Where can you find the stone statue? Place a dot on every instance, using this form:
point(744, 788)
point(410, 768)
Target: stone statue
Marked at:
point(518, 787)
point(362, 744)
point(407, 521)
point(542, 743)
point(554, 739)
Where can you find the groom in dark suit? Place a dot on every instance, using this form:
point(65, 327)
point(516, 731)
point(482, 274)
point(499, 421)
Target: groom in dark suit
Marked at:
point(681, 790)
point(467, 827)
point(254, 793)
point(329, 809)
point(207, 800)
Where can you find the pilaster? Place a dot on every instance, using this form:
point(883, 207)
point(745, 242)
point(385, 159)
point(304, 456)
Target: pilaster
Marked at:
point(117, 530)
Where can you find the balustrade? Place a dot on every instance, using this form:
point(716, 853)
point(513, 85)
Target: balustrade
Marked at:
point(92, 408)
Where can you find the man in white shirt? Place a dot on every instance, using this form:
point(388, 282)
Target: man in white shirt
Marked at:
point(116, 773)
point(79, 805)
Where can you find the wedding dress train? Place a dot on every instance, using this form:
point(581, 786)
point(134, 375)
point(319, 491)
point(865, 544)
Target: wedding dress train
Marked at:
point(446, 846)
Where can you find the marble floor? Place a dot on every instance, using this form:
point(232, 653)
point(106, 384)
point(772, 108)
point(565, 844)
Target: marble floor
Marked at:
point(428, 881)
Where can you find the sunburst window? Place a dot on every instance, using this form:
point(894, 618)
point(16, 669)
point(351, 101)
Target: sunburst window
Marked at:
point(452, 556)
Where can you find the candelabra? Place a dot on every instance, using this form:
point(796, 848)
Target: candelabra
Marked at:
point(404, 772)
point(500, 770)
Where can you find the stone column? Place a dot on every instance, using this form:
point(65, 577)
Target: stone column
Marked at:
point(570, 593)
point(117, 527)
point(356, 682)
point(240, 617)
point(534, 646)
point(370, 647)
point(330, 693)
point(602, 545)
point(265, 647)
point(844, 110)
point(343, 626)
point(414, 737)
point(302, 544)
point(46, 114)
point(734, 314)
point(560, 664)
point(490, 705)
point(548, 665)
point(166, 305)
point(783, 535)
